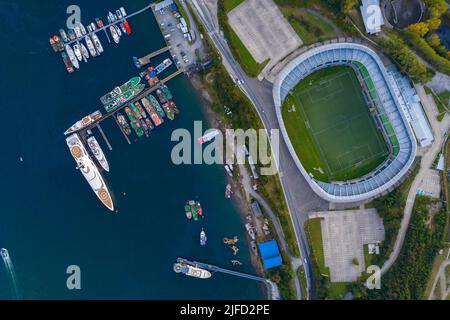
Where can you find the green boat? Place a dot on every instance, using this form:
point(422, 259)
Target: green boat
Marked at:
point(136, 111)
point(123, 124)
point(155, 104)
point(122, 94)
point(130, 114)
point(137, 128)
point(168, 111)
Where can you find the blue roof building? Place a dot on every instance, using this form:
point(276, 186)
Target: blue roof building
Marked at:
point(270, 254)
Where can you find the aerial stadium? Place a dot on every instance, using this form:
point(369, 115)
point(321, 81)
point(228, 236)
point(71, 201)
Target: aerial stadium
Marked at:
point(342, 122)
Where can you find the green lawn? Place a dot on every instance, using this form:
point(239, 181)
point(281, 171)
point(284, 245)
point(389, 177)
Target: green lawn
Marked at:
point(250, 66)
point(331, 128)
point(309, 28)
point(231, 4)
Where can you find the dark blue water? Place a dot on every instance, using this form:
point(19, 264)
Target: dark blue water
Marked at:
point(50, 218)
point(444, 34)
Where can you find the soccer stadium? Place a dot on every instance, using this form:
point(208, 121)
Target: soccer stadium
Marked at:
point(342, 122)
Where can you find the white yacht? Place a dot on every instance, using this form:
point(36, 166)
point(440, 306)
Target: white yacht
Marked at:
point(89, 170)
point(98, 152)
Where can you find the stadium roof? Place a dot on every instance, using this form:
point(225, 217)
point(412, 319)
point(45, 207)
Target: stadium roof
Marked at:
point(390, 173)
point(270, 254)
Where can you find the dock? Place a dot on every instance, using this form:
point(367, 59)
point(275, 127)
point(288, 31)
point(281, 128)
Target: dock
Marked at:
point(104, 136)
point(105, 27)
point(271, 287)
point(147, 58)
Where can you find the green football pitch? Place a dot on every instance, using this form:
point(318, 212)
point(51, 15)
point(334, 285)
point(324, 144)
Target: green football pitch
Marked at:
point(331, 128)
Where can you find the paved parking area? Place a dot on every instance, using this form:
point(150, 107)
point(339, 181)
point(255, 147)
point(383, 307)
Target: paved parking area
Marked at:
point(263, 29)
point(430, 184)
point(344, 234)
point(183, 52)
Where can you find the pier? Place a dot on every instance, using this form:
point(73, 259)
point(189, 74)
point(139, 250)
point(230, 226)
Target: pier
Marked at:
point(105, 27)
point(271, 287)
point(146, 59)
point(104, 136)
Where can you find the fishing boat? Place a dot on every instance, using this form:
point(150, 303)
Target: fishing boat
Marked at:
point(168, 111)
point(159, 110)
point(136, 111)
point(123, 124)
point(209, 136)
point(114, 34)
point(71, 34)
point(164, 94)
point(98, 152)
point(127, 26)
point(63, 35)
point(99, 23)
point(141, 110)
point(90, 46)
point(153, 101)
point(193, 209)
point(72, 57)
point(89, 170)
point(84, 51)
point(122, 10)
point(98, 44)
point(83, 123)
point(130, 114)
point(67, 62)
point(137, 128)
point(187, 211)
point(149, 123)
point(163, 66)
point(122, 94)
point(203, 238)
point(151, 111)
point(191, 271)
point(77, 50)
point(174, 107)
point(145, 128)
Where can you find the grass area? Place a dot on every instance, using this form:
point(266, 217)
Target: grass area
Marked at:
point(333, 290)
point(309, 28)
point(183, 13)
point(231, 4)
point(441, 100)
point(314, 230)
point(303, 283)
point(368, 258)
point(446, 186)
point(240, 52)
point(331, 128)
point(435, 272)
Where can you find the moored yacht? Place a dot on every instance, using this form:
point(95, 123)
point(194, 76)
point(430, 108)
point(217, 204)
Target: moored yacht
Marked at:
point(98, 152)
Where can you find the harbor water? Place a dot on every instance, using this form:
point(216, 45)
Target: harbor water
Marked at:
point(50, 219)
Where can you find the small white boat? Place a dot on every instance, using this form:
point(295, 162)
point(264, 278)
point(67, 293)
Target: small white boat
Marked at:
point(209, 136)
point(83, 29)
point(72, 57)
point(77, 50)
point(84, 51)
point(89, 28)
point(98, 44)
point(77, 32)
point(124, 13)
point(91, 46)
point(203, 238)
point(118, 30)
point(93, 26)
point(119, 14)
point(114, 34)
point(250, 231)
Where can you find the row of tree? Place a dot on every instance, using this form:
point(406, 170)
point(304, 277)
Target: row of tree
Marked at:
point(406, 59)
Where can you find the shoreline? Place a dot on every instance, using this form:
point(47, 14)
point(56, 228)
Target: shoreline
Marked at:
point(238, 198)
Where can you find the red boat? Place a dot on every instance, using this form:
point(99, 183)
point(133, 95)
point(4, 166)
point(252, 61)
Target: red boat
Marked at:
point(127, 26)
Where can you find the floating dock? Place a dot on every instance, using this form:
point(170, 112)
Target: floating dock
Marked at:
point(139, 62)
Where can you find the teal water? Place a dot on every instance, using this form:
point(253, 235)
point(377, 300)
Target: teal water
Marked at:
point(50, 218)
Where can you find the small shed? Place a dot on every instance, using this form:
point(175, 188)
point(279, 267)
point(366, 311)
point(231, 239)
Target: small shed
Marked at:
point(270, 254)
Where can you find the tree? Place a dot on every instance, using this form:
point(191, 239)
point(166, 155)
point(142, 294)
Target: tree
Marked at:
point(355, 262)
point(433, 23)
point(419, 28)
point(348, 5)
point(434, 40)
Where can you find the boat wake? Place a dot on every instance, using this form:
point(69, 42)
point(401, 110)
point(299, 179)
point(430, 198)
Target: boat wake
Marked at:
point(11, 273)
